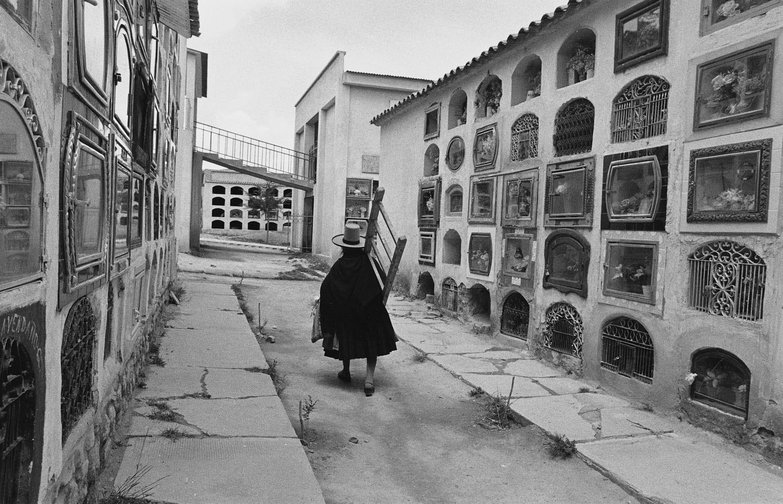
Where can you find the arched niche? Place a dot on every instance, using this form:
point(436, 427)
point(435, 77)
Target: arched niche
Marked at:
point(452, 247)
point(431, 160)
point(488, 94)
point(526, 80)
point(235, 224)
point(425, 286)
point(254, 226)
point(722, 380)
point(576, 58)
point(218, 224)
point(458, 109)
point(237, 190)
point(218, 212)
point(515, 316)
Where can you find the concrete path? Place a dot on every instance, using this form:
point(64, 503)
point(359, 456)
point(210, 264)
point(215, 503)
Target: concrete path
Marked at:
point(209, 427)
point(655, 458)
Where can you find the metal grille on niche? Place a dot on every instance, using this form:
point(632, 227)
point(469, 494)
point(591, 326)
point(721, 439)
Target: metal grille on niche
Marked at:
point(640, 110)
point(17, 421)
point(627, 349)
point(515, 317)
point(524, 138)
point(564, 329)
point(574, 128)
point(76, 363)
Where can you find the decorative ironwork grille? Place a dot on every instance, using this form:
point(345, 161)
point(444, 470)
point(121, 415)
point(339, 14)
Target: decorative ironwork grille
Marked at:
point(76, 364)
point(564, 329)
point(640, 110)
point(727, 279)
point(515, 317)
point(17, 422)
point(524, 138)
point(449, 295)
point(574, 128)
point(628, 349)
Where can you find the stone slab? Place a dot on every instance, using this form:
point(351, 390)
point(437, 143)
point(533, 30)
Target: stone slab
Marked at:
point(459, 364)
point(632, 422)
point(142, 425)
point(194, 290)
point(531, 369)
point(233, 349)
point(254, 417)
point(673, 469)
point(233, 383)
point(501, 385)
point(563, 385)
point(207, 319)
point(502, 355)
point(171, 381)
point(225, 471)
point(556, 415)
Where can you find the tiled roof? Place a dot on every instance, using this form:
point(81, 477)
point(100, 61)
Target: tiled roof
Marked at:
point(387, 76)
point(534, 28)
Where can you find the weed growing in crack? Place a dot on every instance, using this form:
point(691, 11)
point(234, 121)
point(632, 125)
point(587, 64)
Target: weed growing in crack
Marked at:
point(174, 434)
point(162, 412)
point(420, 357)
point(584, 390)
point(498, 413)
point(254, 369)
point(560, 447)
point(157, 360)
point(306, 407)
point(277, 378)
point(197, 395)
point(476, 392)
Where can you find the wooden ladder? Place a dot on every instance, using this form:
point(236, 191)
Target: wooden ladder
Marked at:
point(380, 249)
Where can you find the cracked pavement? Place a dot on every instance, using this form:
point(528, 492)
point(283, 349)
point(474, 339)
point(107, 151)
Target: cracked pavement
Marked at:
point(209, 422)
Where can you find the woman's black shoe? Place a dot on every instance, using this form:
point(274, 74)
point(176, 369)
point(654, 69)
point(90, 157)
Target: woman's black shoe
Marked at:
point(369, 390)
point(344, 376)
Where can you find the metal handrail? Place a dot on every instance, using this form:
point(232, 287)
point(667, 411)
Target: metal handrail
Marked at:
point(253, 152)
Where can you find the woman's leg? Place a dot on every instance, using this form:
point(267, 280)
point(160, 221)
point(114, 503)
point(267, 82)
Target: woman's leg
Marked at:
point(345, 374)
point(369, 380)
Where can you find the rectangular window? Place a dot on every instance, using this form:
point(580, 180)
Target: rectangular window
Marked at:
point(641, 33)
point(633, 189)
point(730, 183)
point(482, 201)
point(122, 206)
point(92, 34)
point(432, 121)
point(734, 87)
point(717, 14)
point(480, 254)
point(569, 194)
point(630, 270)
point(137, 204)
point(89, 205)
point(427, 247)
point(429, 203)
point(519, 199)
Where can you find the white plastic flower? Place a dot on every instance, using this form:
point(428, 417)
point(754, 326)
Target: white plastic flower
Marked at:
point(690, 377)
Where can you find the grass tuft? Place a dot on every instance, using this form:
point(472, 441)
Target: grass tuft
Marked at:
point(560, 447)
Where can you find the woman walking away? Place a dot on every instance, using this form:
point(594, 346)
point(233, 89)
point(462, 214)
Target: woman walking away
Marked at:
point(354, 320)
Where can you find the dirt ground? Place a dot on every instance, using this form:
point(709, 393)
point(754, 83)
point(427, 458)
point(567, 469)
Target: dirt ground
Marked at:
point(418, 439)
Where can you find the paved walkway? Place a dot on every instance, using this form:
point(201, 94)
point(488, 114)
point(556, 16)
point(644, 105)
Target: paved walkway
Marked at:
point(655, 458)
point(209, 423)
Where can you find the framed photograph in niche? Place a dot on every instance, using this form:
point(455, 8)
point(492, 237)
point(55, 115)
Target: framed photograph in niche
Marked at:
point(566, 258)
point(569, 194)
point(630, 270)
point(734, 87)
point(519, 199)
point(518, 256)
point(429, 203)
point(427, 247)
point(730, 183)
point(633, 189)
point(480, 254)
point(485, 148)
point(16, 217)
point(482, 201)
point(455, 153)
point(641, 33)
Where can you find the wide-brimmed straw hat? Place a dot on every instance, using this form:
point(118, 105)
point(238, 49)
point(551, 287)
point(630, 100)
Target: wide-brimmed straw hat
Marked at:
point(351, 237)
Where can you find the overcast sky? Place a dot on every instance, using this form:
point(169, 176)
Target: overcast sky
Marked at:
point(263, 54)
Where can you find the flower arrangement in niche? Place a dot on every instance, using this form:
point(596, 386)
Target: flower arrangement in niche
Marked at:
point(489, 98)
point(734, 90)
point(534, 81)
point(581, 62)
point(731, 8)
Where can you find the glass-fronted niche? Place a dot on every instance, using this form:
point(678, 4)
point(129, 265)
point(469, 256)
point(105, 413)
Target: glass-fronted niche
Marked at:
point(85, 194)
point(21, 223)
